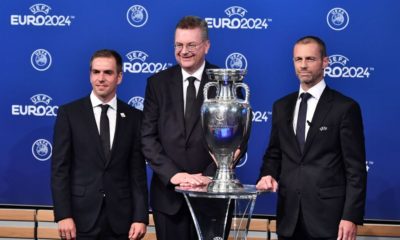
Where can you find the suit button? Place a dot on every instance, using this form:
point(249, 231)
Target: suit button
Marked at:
point(102, 192)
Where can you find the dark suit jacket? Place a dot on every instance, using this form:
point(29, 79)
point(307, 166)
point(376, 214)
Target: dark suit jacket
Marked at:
point(81, 174)
point(327, 181)
point(167, 145)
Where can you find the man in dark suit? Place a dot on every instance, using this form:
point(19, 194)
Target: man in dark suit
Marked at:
point(172, 137)
point(316, 153)
point(98, 171)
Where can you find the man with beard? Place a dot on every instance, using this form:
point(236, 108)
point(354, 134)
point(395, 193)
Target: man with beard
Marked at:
point(316, 154)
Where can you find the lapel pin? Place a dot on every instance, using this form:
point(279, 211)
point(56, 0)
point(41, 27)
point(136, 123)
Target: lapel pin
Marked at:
point(323, 128)
point(122, 115)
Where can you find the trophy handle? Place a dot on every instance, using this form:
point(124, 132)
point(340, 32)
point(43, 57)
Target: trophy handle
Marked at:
point(246, 88)
point(207, 86)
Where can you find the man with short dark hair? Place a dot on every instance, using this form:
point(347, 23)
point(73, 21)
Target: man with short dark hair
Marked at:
point(98, 177)
point(316, 154)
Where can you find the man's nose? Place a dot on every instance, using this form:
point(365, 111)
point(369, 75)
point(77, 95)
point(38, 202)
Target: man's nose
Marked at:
point(185, 49)
point(303, 64)
point(102, 77)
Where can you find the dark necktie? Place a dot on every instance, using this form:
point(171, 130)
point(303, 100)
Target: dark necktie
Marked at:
point(190, 99)
point(105, 130)
point(301, 120)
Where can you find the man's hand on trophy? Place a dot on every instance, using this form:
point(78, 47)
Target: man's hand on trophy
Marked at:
point(190, 180)
point(267, 183)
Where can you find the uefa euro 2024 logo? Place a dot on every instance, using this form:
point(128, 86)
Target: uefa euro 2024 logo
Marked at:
point(40, 18)
point(138, 63)
point(41, 59)
point(137, 16)
point(339, 68)
point(237, 20)
point(41, 107)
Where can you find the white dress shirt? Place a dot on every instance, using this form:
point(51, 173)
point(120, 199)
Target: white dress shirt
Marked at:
point(198, 74)
point(111, 114)
point(316, 92)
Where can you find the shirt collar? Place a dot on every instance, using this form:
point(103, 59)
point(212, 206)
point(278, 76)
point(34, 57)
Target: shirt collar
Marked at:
point(198, 74)
point(315, 91)
point(96, 101)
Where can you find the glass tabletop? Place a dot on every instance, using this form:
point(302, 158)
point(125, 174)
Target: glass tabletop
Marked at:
point(248, 192)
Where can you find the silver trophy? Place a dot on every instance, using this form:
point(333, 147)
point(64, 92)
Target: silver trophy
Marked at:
point(226, 122)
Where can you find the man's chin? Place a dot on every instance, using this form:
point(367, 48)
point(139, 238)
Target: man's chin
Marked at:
point(187, 66)
point(101, 93)
point(187, 63)
point(305, 80)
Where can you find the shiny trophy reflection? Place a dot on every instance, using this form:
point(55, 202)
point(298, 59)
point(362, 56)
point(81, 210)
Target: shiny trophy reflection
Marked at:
point(226, 122)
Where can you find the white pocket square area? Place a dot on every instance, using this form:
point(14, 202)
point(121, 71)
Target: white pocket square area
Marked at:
point(323, 128)
point(122, 115)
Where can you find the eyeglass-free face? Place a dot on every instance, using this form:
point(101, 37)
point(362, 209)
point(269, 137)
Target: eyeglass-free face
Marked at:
point(105, 77)
point(309, 64)
point(190, 48)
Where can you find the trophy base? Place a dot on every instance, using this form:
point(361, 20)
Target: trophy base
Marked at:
point(224, 186)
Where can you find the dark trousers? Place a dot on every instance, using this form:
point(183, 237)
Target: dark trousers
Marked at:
point(301, 233)
point(102, 229)
point(179, 226)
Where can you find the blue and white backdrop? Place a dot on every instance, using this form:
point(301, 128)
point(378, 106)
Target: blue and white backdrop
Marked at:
point(46, 46)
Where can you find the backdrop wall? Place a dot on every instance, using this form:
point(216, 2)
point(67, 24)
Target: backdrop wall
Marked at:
point(46, 46)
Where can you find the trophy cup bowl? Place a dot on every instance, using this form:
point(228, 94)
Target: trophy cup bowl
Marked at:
point(226, 122)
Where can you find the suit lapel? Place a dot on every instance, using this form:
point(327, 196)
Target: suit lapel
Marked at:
point(90, 120)
point(289, 112)
point(176, 94)
point(323, 107)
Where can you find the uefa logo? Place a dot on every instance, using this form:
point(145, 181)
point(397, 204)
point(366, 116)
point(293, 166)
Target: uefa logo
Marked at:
point(137, 16)
point(137, 102)
point(42, 149)
point(242, 161)
point(236, 61)
point(41, 60)
point(337, 19)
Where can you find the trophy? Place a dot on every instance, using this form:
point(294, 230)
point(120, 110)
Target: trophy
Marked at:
point(226, 122)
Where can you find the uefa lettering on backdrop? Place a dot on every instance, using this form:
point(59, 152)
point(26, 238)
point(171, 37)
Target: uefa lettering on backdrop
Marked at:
point(46, 45)
point(138, 63)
